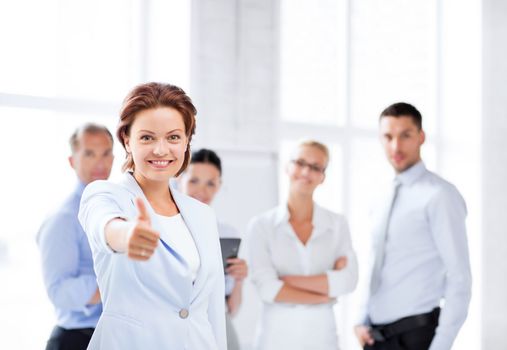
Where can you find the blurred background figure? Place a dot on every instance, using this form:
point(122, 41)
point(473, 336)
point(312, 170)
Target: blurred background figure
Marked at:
point(202, 180)
point(66, 257)
point(301, 260)
point(420, 249)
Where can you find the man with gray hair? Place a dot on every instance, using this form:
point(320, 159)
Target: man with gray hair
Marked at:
point(66, 257)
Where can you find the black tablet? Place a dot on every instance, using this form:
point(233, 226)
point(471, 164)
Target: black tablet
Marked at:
point(230, 248)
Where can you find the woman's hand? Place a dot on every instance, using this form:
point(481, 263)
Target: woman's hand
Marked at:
point(237, 269)
point(142, 239)
point(340, 263)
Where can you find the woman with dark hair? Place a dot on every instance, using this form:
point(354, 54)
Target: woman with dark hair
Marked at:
point(202, 180)
point(156, 251)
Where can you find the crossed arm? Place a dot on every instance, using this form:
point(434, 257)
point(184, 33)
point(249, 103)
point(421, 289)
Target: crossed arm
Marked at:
point(312, 289)
point(299, 289)
point(59, 246)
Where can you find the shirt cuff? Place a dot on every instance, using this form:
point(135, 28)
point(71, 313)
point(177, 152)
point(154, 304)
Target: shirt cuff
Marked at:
point(88, 291)
point(229, 284)
point(331, 277)
point(102, 232)
point(362, 318)
point(270, 290)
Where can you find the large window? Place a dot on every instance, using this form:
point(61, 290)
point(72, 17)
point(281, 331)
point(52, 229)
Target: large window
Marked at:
point(340, 71)
point(341, 62)
point(62, 64)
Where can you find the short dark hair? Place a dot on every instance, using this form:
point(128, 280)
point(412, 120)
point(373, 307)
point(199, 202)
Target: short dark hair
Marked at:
point(88, 128)
point(403, 109)
point(207, 156)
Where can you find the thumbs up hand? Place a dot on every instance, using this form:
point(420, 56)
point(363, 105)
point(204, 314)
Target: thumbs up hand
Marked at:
point(142, 239)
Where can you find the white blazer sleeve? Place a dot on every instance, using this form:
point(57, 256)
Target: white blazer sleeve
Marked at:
point(216, 313)
point(216, 308)
point(263, 273)
point(99, 206)
point(343, 281)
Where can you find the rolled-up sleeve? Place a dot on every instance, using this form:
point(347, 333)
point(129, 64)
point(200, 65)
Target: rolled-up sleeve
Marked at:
point(67, 287)
point(98, 207)
point(263, 273)
point(343, 281)
point(447, 214)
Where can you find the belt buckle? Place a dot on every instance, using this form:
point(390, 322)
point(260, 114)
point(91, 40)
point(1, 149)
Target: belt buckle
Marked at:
point(377, 334)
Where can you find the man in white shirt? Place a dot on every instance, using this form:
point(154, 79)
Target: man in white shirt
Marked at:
point(420, 249)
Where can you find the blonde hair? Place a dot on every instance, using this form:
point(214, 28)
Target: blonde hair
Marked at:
point(319, 145)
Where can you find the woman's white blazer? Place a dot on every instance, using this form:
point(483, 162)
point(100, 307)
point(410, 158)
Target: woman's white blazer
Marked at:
point(154, 304)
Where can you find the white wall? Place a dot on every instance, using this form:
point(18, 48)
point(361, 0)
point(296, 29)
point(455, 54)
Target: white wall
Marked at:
point(234, 84)
point(494, 174)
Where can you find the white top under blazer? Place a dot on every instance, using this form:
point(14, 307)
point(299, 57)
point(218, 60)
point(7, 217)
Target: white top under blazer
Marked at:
point(154, 304)
point(181, 240)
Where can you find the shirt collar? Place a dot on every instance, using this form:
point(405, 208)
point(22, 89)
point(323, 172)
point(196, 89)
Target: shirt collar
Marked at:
point(281, 214)
point(409, 176)
point(320, 221)
point(133, 187)
point(79, 188)
point(131, 184)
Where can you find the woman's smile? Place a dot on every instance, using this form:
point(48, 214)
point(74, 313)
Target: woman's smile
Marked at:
point(160, 163)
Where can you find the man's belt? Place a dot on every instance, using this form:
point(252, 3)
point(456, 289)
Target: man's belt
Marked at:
point(385, 331)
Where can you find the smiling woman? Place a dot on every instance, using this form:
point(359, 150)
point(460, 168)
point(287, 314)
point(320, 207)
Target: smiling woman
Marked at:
point(180, 278)
point(161, 105)
point(301, 260)
point(157, 139)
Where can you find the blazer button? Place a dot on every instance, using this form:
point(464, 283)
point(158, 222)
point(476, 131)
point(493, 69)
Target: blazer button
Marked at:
point(183, 313)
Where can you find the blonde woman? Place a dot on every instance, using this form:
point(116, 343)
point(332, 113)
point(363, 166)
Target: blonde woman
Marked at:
point(301, 260)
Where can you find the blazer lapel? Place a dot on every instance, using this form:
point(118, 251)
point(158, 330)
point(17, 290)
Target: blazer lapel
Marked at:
point(131, 184)
point(192, 221)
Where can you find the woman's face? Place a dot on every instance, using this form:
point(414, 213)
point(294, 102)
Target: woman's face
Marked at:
point(306, 170)
point(201, 181)
point(157, 142)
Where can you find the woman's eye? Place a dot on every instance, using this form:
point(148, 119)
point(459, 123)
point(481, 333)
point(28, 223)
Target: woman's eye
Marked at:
point(146, 138)
point(194, 181)
point(174, 137)
point(211, 184)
